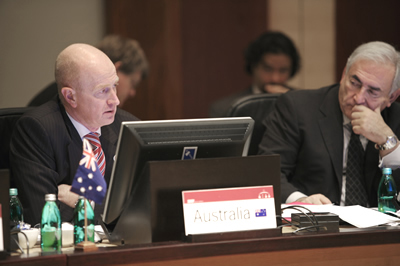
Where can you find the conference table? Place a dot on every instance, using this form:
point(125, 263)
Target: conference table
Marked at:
point(350, 246)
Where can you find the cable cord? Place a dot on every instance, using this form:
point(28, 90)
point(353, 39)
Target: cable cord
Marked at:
point(313, 220)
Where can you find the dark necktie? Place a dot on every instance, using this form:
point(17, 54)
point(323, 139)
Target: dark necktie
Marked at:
point(356, 193)
point(93, 138)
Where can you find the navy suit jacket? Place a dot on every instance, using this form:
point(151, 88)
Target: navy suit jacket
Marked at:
point(306, 129)
point(45, 151)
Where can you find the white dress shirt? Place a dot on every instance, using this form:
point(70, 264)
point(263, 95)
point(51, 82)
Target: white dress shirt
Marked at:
point(82, 130)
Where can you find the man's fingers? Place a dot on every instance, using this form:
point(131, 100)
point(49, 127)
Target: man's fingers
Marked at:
point(318, 199)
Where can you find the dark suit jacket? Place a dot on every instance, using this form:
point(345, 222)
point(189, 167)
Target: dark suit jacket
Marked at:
point(45, 152)
point(306, 129)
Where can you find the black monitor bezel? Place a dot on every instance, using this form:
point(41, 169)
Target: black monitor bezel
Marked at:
point(112, 209)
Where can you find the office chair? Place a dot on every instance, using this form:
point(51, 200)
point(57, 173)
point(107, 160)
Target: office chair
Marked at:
point(257, 107)
point(8, 119)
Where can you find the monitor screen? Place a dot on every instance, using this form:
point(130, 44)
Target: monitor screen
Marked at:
point(143, 141)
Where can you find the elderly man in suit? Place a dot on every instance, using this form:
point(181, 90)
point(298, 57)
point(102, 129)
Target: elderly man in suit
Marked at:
point(47, 142)
point(313, 130)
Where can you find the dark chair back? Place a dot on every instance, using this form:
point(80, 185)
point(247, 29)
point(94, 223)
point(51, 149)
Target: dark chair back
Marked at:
point(8, 119)
point(257, 107)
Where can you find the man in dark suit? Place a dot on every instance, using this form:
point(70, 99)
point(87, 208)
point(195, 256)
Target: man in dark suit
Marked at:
point(311, 130)
point(271, 60)
point(47, 142)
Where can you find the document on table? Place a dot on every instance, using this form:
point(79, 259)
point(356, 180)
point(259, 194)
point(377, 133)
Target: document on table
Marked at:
point(357, 216)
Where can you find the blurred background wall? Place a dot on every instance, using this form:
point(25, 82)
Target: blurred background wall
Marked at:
point(195, 47)
point(32, 33)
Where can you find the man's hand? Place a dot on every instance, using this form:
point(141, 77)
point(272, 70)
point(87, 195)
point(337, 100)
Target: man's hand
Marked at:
point(65, 195)
point(275, 88)
point(370, 124)
point(318, 199)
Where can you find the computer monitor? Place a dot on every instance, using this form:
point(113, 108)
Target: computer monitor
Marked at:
point(143, 141)
point(154, 212)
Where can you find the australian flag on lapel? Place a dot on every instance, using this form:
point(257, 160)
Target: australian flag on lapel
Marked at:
point(88, 180)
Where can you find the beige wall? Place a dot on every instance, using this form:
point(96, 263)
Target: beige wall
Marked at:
point(32, 34)
point(311, 25)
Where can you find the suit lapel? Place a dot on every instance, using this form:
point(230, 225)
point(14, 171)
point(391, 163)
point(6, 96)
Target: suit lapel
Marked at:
point(74, 146)
point(331, 126)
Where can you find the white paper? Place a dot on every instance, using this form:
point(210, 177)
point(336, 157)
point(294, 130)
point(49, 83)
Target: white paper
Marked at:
point(362, 217)
point(357, 216)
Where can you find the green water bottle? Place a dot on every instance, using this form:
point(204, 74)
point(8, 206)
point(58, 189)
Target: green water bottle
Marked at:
point(50, 227)
point(16, 210)
point(79, 221)
point(387, 192)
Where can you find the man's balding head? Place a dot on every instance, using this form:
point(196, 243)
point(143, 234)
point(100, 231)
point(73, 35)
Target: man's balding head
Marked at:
point(74, 64)
point(86, 80)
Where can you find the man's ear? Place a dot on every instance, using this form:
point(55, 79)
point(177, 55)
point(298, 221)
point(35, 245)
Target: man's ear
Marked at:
point(69, 96)
point(343, 74)
point(118, 65)
point(394, 96)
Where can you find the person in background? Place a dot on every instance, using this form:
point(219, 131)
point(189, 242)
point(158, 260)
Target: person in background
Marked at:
point(271, 60)
point(46, 145)
point(129, 60)
point(334, 140)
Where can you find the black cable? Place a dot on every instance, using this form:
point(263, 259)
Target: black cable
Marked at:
point(309, 218)
point(286, 220)
point(308, 227)
point(313, 221)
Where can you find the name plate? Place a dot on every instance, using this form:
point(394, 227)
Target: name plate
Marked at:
point(228, 210)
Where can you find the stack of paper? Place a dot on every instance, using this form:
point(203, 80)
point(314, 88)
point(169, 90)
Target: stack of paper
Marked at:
point(358, 216)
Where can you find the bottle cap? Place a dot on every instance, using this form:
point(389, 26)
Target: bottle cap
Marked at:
point(13, 192)
point(50, 197)
point(387, 171)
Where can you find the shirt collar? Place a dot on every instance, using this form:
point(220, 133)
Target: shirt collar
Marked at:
point(346, 120)
point(82, 130)
point(256, 90)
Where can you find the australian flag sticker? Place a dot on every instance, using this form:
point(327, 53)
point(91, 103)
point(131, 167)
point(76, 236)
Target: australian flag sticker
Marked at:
point(189, 153)
point(261, 212)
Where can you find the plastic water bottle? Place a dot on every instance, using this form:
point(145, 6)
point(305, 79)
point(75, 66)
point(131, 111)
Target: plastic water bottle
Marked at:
point(16, 210)
point(387, 192)
point(50, 227)
point(79, 221)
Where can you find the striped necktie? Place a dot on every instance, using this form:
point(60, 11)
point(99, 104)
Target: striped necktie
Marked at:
point(93, 138)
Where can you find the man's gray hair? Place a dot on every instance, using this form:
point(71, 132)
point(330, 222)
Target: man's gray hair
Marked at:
point(378, 52)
